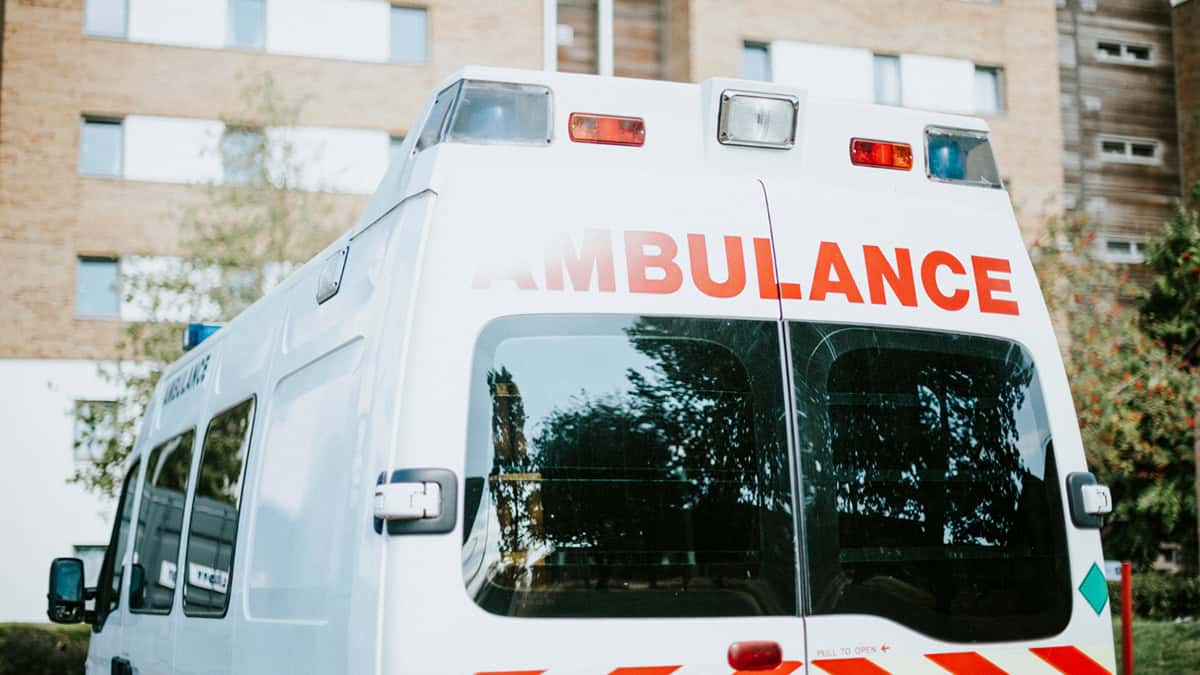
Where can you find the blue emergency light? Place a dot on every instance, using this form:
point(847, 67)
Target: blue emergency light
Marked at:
point(197, 333)
point(946, 158)
point(961, 156)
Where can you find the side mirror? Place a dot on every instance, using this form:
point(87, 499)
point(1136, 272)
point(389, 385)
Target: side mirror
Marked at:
point(137, 586)
point(64, 601)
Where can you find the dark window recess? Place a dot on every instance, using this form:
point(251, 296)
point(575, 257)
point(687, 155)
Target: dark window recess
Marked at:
point(1138, 53)
point(1112, 49)
point(108, 586)
point(212, 532)
point(1113, 147)
point(160, 522)
point(628, 467)
point(933, 498)
point(1142, 150)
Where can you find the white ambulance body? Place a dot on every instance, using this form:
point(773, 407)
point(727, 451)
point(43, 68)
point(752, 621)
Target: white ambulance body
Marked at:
point(721, 375)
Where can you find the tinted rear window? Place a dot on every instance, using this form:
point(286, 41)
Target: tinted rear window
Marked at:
point(932, 497)
point(628, 466)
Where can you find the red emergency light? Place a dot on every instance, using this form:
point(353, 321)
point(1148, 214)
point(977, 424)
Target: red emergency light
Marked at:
point(883, 154)
point(755, 655)
point(607, 129)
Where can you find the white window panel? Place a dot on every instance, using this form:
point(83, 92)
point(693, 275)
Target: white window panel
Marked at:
point(1121, 249)
point(323, 158)
point(192, 23)
point(824, 70)
point(1130, 150)
point(97, 288)
point(756, 62)
point(146, 281)
point(339, 29)
point(937, 83)
point(105, 18)
point(888, 86)
point(989, 90)
point(172, 149)
point(409, 34)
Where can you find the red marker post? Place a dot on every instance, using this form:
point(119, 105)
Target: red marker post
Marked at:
point(1127, 618)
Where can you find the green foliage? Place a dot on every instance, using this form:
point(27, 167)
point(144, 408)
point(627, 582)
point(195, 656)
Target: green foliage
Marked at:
point(42, 649)
point(1133, 393)
point(1170, 307)
point(240, 238)
point(1159, 597)
point(1161, 648)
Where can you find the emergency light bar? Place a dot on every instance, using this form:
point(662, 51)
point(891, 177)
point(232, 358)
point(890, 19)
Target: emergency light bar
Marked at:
point(197, 333)
point(757, 119)
point(882, 154)
point(477, 111)
point(607, 129)
point(960, 156)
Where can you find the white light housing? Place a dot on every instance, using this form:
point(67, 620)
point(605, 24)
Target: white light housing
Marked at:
point(757, 119)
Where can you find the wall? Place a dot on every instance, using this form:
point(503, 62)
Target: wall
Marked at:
point(44, 517)
point(1186, 22)
point(1016, 34)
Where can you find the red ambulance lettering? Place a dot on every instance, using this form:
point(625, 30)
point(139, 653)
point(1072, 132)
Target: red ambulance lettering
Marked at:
point(830, 261)
point(929, 268)
point(986, 284)
point(735, 263)
point(764, 262)
point(595, 256)
point(639, 262)
point(899, 278)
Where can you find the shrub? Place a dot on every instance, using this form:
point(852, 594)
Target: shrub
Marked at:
point(1159, 597)
point(41, 649)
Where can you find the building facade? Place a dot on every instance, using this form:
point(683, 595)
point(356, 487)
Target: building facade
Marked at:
point(112, 119)
point(1185, 23)
point(1121, 151)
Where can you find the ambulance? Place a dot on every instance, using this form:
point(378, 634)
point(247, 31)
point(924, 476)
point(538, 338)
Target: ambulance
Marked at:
point(627, 377)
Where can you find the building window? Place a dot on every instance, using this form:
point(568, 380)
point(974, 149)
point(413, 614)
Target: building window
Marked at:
point(241, 155)
point(95, 427)
point(101, 146)
point(989, 90)
point(1114, 50)
point(1129, 150)
point(246, 24)
point(97, 294)
point(92, 556)
point(409, 29)
point(887, 79)
point(1119, 249)
point(756, 62)
point(106, 18)
point(396, 149)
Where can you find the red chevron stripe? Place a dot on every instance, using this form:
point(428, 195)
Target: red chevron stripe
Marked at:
point(1069, 660)
point(965, 663)
point(783, 669)
point(849, 667)
point(645, 670)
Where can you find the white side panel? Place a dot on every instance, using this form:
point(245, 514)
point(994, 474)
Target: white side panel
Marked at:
point(338, 29)
point(172, 149)
point(191, 23)
point(337, 160)
point(936, 83)
point(824, 70)
point(42, 512)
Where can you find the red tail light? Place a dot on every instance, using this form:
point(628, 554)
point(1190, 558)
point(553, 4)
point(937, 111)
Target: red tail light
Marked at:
point(755, 655)
point(608, 129)
point(882, 154)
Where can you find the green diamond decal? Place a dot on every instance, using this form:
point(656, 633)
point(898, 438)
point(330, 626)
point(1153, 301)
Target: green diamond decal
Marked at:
point(1094, 588)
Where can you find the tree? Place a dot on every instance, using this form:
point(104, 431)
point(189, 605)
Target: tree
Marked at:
point(1133, 392)
point(242, 236)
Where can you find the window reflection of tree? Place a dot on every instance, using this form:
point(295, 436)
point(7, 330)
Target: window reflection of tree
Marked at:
point(923, 510)
point(679, 484)
point(160, 520)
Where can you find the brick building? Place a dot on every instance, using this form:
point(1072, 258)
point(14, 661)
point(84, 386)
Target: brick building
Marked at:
point(110, 119)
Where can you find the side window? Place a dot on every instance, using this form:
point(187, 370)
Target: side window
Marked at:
point(160, 520)
point(213, 530)
point(108, 587)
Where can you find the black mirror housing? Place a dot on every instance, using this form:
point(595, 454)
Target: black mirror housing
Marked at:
point(66, 596)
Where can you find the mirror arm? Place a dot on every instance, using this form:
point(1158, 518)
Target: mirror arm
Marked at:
point(89, 593)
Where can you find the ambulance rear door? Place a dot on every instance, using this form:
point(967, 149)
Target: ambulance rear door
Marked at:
point(933, 422)
point(600, 362)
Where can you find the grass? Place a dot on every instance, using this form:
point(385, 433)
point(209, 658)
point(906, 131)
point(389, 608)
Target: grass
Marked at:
point(1162, 647)
point(42, 649)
